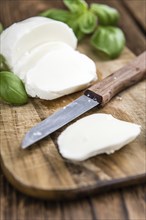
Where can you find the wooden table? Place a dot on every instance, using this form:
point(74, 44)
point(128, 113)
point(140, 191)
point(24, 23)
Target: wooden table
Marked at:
point(125, 203)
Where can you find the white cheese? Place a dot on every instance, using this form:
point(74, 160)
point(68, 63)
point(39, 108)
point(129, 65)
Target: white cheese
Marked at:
point(95, 134)
point(30, 59)
point(23, 36)
point(41, 52)
point(58, 73)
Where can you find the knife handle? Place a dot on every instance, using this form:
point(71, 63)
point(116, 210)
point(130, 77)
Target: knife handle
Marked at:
point(130, 74)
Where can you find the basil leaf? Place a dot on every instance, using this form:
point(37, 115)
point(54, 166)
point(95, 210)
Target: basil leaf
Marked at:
point(75, 26)
point(109, 40)
point(57, 14)
point(106, 14)
point(1, 28)
point(76, 5)
point(3, 64)
point(12, 89)
point(87, 22)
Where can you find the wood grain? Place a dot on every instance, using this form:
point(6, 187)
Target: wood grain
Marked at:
point(40, 171)
point(138, 11)
point(126, 204)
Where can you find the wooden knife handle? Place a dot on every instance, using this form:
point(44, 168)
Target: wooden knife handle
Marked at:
point(130, 74)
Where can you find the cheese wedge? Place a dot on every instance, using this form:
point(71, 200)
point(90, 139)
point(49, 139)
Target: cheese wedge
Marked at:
point(23, 36)
point(58, 73)
point(31, 58)
point(95, 134)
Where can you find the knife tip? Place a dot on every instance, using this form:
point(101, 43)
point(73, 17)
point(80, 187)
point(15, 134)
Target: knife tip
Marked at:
point(27, 140)
point(25, 143)
point(24, 146)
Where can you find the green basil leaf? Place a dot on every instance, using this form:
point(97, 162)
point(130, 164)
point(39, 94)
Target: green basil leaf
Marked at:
point(87, 22)
point(1, 28)
point(12, 89)
point(106, 14)
point(3, 64)
point(75, 26)
point(57, 14)
point(76, 5)
point(109, 40)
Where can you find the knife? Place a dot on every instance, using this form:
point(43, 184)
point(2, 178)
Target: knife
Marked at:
point(97, 95)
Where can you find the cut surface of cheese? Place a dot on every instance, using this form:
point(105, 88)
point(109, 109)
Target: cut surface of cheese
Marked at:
point(30, 59)
point(95, 134)
point(58, 73)
point(23, 36)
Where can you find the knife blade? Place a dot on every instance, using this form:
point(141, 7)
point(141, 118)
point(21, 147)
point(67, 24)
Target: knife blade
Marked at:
point(58, 119)
point(97, 95)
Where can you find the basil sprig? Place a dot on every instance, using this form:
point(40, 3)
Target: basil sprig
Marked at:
point(98, 19)
point(12, 89)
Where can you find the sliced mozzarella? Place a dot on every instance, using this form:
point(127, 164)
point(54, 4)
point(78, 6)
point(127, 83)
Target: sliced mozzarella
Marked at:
point(95, 134)
point(30, 59)
point(21, 37)
point(58, 73)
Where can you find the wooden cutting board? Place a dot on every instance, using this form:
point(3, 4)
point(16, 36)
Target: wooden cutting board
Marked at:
point(40, 171)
